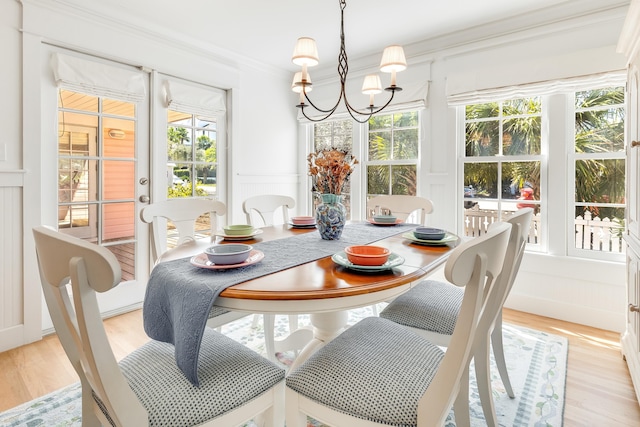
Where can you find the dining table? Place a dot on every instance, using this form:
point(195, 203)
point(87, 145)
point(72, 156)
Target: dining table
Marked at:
point(306, 276)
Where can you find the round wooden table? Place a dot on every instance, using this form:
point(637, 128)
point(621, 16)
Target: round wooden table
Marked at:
point(326, 290)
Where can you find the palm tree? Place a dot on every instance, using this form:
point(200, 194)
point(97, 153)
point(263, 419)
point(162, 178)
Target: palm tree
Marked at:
point(600, 130)
point(393, 137)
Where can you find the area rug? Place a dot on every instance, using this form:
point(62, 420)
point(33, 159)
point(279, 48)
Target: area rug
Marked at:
point(536, 361)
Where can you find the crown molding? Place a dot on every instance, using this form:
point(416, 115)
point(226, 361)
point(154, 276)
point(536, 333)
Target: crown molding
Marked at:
point(629, 43)
point(553, 20)
point(97, 13)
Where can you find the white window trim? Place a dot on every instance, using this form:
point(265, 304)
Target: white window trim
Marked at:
point(557, 159)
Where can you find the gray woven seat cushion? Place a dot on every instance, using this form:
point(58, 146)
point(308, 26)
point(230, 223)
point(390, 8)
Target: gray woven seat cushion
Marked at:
point(230, 375)
point(217, 311)
point(376, 370)
point(430, 305)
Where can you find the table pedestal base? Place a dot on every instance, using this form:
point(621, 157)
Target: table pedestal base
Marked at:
point(326, 326)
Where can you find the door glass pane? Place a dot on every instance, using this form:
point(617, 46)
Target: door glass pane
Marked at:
point(77, 101)
point(192, 155)
point(119, 221)
point(119, 138)
point(119, 180)
point(96, 164)
point(119, 108)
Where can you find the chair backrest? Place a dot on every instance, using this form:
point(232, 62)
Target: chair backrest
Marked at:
point(261, 210)
point(89, 268)
point(402, 206)
point(476, 265)
point(520, 222)
point(183, 213)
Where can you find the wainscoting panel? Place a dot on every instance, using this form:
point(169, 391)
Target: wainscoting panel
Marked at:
point(11, 266)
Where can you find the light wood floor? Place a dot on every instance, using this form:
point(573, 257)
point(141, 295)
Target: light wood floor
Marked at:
point(599, 391)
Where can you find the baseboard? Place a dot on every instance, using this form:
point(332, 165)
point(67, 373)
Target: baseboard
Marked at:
point(105, 315)
point(601, 319)
point(632, 356)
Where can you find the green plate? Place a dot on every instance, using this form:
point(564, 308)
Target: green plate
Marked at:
point(394, 260)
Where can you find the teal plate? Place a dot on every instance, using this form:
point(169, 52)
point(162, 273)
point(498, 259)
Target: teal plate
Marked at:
point(448, 238)
point(394, 260)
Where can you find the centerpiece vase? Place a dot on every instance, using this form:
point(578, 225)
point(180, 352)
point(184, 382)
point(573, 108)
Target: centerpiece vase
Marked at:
point(330, 216)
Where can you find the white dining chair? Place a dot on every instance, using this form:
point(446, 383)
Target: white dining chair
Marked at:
point(360, 378)
point(402, 206)
point(146, 388)
point(432, 307)
point(263, 211)
point(183, 214)
point(267, 209)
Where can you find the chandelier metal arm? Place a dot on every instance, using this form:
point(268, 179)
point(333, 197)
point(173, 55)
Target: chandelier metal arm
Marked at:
point(343, 71)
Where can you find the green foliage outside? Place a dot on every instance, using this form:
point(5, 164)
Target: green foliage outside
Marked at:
point(185, 190)
point(201, 163)
point(598, 129)
point(393, 137)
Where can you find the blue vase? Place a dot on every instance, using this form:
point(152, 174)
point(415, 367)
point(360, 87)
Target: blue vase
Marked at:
point(330, 216)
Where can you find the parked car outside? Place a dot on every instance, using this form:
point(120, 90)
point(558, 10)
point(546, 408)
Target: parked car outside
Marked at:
point(177, 180)
point(469, 191)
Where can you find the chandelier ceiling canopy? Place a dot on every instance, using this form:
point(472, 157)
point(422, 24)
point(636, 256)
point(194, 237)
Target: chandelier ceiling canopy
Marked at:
point(305, 54)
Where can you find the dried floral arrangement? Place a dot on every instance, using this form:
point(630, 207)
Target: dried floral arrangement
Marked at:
point(330, 169)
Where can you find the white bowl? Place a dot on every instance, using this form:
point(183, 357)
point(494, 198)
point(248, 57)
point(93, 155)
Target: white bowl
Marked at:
point(232, 253)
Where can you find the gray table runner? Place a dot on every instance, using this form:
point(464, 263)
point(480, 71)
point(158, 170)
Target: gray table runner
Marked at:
point(179, 296)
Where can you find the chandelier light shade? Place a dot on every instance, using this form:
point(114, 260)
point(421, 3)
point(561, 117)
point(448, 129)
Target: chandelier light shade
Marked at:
point(296, 85)
point(305, 54)
point(371, 86)
point(393, 61)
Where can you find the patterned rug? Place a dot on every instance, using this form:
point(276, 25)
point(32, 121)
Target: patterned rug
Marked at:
point(536, 361)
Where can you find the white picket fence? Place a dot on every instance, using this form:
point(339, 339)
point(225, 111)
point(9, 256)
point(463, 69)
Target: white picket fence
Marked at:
point(594, 234)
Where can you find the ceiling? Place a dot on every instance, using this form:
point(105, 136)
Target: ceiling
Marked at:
point(266, 30)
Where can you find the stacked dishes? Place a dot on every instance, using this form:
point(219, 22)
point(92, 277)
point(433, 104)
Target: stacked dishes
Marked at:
point(367, 258)
point(236, 232)
point(303, 222)
point(231, 255)
point(429, 236)
point(384, 220)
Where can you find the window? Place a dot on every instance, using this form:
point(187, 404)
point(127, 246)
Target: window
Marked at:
point(501, 162)
point(599, 169)
point(191, 155)
point(335, 134)
point(392, 154)
point(562, 154)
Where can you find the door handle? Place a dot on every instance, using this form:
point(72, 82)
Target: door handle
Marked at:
point(635, 144)
point(144, 199)
point(634, 308)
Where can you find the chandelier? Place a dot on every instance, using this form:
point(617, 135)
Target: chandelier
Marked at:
point(305, 54)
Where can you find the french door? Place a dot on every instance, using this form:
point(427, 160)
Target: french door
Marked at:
point(102, 154)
